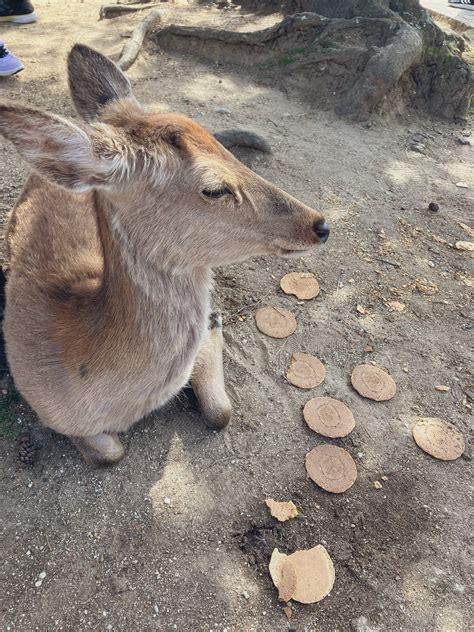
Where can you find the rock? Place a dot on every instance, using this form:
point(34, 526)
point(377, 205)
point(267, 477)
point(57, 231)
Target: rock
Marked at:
point(245, 594)
point(419, 148)
point(442, 389)
point(462, 185)
point(223, 111)
point(361, 624)
point(463, 141)
point(433, 206)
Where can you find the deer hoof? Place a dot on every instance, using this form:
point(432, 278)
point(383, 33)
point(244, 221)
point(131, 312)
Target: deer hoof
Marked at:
point(217, 417)
point(100, 449)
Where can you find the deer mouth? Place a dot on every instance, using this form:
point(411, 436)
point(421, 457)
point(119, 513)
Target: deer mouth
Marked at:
point(288, 254)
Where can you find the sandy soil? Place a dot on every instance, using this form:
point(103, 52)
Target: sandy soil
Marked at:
point(115, 554)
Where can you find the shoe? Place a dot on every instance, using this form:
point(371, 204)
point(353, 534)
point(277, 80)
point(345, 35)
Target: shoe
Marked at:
point(462, 4)
point(9, 64)
point(18, 12)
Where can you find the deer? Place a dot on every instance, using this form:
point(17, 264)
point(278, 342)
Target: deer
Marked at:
point(111, 246)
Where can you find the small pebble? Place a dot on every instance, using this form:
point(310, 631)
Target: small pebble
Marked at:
point(419, 148)
point(433, 207)
point(377, 485)
point(42, 575)
point(223, 111)
point(245, 594)
point(167, 501)
point(38, 583)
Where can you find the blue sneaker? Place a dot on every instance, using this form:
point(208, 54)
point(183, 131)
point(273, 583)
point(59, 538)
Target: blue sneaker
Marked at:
point(17, 11)
point(9, 64)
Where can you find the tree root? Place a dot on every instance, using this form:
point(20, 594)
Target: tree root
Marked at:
point(350, 64)
point(132, 47)
point(108, 11)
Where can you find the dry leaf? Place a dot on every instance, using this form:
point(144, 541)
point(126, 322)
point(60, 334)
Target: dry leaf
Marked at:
point(464, 245)
point(282, 511)
point(331, 468)
point(438, 438)
point(303, 285)
point(372, 382)
point(305, 371)
point(275, 322)
point(467, 229)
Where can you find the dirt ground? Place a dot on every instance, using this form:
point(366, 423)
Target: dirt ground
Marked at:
point(115, 554)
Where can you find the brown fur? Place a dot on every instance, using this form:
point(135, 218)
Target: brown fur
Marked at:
point(111, 247)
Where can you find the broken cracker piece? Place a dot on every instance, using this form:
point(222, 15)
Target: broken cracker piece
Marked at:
point(283, 575)
point(331, 468)
point(303, 285)
point(373, 383)
point(282, 511)
point(275, 322)
point(438, 438)
point(305, 371)
point(288, 612)
point(315, 574)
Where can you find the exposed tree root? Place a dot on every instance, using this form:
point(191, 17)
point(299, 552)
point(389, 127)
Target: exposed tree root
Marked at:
point(132, 47)
point(354, 64)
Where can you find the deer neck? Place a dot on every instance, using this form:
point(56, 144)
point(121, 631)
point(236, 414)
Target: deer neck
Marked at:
point(169, 307)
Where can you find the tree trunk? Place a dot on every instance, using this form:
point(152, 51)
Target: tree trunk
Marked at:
point(353, 56)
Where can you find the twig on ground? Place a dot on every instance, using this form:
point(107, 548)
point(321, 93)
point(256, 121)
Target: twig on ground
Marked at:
point(395, 264)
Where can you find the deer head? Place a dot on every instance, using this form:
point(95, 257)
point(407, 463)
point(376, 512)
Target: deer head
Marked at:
point(173, 194)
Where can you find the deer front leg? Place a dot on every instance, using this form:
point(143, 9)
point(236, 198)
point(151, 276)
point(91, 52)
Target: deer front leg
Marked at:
point(208, 378)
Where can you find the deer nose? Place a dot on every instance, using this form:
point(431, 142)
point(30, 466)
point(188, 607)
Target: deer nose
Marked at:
point(322, 230)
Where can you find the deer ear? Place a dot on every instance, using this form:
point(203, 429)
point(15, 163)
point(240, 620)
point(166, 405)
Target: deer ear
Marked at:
point(55, 147)
point(95, 81)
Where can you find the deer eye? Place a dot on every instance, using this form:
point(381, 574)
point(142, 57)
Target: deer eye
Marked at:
point(215, 194)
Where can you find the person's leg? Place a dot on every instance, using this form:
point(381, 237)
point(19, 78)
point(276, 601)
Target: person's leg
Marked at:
point(17, 11)
point(9, 64)
point(462, 4)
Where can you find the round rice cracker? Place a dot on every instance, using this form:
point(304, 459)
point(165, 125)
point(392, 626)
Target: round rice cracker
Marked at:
point(373, 383)
point(305, 371)
point(331, 468)
point(303, 285)
point(329, 417)
point(438, 438)
point(275, 322)
point(315, 574)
